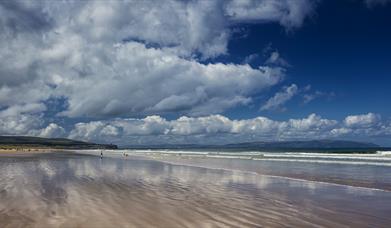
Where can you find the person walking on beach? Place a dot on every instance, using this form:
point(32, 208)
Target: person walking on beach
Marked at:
point(101, 154)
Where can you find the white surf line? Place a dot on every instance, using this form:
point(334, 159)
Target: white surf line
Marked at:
point(270, 154)
point(326, 161)
point(272, 176)
point(268, 157)
point(327, 156)
point(287, 159)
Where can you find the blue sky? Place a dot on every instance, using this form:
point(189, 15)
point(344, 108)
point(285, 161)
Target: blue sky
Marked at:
point(346, 54)
point(207, 72)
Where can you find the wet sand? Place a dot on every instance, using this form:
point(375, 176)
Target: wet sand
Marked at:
point(366, 176)
point(72, 190)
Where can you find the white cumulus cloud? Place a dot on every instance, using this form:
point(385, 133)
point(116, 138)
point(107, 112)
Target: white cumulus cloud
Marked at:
point(280, 98)
point(132, 58)
point(219, 129)
point(364, 120)
point(52, 131)
point(206, 129)
point(114, 60)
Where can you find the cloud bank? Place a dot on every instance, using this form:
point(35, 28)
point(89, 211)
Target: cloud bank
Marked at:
point(218, 129)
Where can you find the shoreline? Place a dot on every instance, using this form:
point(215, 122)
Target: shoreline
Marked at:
point(22, 151)
point(31, 151)
point(341, 184)
point(208, 162)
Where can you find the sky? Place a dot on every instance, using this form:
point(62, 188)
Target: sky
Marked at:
point(196, 72)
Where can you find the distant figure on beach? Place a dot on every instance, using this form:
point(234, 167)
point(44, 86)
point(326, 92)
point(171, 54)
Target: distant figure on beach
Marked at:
point(101, 154)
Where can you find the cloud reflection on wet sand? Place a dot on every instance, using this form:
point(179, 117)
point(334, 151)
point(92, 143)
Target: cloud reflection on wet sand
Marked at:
point(89, 192)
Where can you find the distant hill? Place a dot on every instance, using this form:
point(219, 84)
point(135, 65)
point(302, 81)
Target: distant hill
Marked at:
point(59, 143)
point(311, 145)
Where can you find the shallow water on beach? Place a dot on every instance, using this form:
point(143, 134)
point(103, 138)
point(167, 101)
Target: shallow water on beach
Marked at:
point(368, 176)
point(70, 190)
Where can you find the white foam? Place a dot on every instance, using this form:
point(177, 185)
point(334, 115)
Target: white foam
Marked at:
point(327, 156)
point(330, 161)
point(384, 153)
point(378, 159)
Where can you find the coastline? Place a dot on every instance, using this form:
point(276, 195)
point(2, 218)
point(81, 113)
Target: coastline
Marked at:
point(259, 166)
point(315, 172)
point(286, 177)
point(25, 151)
point(31, 151)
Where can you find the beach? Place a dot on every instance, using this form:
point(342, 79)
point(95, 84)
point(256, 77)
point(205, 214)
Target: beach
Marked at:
point(367, 171)
point(74, 189)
